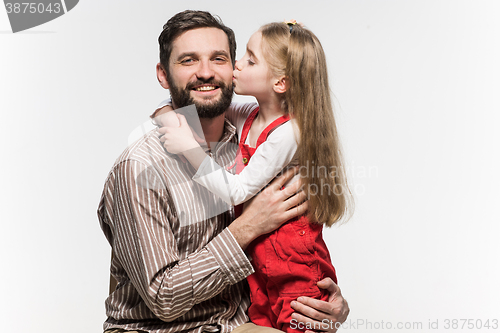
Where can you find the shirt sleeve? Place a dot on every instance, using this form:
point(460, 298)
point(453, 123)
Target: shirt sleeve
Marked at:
point(143, 242)
point(268, 160)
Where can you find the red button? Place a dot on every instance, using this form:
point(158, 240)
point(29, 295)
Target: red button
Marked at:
point(302, 233)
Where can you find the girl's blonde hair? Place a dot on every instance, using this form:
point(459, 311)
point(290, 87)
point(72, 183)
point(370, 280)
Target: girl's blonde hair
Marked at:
point(298, 55)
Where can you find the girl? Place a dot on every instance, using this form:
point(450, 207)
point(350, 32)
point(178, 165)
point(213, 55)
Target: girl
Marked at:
point(284, 68)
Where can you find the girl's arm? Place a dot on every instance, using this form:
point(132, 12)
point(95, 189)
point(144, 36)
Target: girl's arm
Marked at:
point(177, 137)
point(269, 159)
point(182, 140)
point(163, 116)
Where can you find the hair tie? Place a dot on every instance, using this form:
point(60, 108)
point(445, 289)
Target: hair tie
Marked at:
point(290, 24)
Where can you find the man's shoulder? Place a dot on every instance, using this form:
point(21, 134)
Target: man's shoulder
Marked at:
point(238, 112)
point(242, 107)
point(147, 150)
point(145, 163)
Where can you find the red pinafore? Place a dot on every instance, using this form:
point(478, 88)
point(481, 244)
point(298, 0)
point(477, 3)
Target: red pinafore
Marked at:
point(287, 262)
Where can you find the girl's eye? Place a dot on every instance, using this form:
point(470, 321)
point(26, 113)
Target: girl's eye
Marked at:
point(250, 62)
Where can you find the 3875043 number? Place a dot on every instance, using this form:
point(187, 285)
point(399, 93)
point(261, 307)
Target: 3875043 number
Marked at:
point(471, 324)
point(32, 8)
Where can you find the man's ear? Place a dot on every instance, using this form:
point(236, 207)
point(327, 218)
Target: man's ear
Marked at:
point(161, 74)
point(281, 85)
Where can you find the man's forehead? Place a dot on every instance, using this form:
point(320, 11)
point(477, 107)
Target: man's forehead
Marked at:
point(201, 40)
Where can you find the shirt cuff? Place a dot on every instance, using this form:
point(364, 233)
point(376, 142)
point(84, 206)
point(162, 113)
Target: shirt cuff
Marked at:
point(230, 257)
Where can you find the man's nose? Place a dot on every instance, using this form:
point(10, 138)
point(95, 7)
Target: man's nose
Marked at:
point(205, 70)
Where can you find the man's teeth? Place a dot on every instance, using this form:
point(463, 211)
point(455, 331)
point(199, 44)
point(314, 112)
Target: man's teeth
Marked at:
point(205, 88)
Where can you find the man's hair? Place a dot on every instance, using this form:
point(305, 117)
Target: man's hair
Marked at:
point(189, 20)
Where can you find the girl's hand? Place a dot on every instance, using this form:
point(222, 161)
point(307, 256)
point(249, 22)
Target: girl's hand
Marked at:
point(165, 116)
point(178, 139)
point(168, 119)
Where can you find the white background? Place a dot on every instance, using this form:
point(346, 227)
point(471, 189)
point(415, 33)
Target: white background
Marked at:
point(417, 101)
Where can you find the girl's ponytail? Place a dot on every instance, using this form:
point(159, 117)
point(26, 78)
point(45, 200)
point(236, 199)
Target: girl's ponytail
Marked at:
point(308, 100)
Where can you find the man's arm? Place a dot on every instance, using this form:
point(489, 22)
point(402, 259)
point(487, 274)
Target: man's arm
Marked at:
point(138, 213)
point(145, 246)
point(259, 218)
point(269, 209)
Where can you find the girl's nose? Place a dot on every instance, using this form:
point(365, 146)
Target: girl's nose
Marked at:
point(237, 65)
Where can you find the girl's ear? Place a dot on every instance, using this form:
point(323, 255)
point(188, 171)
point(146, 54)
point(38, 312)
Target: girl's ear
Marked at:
point(162, 76)
point(281, 85)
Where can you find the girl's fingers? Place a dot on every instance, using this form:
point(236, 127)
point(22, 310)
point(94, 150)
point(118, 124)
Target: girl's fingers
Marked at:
point(182, 120)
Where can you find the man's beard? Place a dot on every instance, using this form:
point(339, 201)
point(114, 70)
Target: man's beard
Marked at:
point(211, 109)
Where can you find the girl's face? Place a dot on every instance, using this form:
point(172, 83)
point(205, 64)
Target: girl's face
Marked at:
point(251, 75)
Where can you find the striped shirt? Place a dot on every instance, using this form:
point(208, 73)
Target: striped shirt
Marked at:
point(178, 267)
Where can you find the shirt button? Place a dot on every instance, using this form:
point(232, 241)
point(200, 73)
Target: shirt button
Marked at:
point(245, 160)
point(302, 233)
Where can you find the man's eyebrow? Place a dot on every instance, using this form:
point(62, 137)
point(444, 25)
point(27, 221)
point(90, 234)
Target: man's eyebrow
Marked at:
point(221, 52)
point(194, 54)
point(186, 54)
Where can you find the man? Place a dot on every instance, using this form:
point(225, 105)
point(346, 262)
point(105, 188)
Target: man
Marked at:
point(178, 259)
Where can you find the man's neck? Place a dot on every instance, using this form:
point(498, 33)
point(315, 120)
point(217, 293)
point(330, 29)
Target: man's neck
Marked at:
point(213, 128)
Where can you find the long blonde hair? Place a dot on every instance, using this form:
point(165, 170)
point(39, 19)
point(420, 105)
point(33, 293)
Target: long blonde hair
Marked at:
point(298, 55)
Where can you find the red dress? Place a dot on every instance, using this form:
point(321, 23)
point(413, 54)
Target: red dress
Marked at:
point(288, 262)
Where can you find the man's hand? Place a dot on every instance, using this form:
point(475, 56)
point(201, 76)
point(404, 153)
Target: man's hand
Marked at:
point(269, 209)
point(315, 313)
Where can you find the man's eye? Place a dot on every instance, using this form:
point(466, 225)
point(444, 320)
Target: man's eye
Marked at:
point(219, 59)
point(187, 61)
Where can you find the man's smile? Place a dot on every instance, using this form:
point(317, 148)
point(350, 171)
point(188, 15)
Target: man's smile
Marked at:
point(205, 87)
